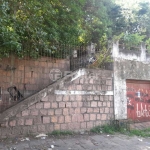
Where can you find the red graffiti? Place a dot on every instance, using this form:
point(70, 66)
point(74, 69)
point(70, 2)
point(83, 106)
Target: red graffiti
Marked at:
point(138, 101)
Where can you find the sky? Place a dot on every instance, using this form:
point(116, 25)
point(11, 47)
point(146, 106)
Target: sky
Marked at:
point(130, 3)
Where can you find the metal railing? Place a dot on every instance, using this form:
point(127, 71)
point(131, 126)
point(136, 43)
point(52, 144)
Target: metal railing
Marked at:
point(22, 77)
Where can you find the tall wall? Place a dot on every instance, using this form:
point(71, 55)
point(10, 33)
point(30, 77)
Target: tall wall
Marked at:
point(28, 75)
point(79, 101)
point(133, 65)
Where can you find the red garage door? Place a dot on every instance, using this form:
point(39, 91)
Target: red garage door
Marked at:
point(138, 100)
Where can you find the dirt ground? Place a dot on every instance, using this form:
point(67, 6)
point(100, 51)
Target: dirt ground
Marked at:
point(77, 142)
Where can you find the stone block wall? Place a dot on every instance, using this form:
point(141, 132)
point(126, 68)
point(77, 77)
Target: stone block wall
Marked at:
point(79, 101)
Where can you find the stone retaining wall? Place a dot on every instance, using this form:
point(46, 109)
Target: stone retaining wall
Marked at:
point(79, 101)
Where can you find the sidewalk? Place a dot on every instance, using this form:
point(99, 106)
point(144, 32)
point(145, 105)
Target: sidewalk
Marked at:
point(77, 142)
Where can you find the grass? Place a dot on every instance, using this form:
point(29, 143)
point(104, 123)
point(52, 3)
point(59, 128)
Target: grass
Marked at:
point(112, 128)
point(142, 133)
point(105, 129)
point(59, 133)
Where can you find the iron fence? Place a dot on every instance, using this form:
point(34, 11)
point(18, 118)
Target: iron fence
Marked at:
point(21, 76)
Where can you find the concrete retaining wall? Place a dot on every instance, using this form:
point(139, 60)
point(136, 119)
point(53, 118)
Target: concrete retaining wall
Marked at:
point(128, 64)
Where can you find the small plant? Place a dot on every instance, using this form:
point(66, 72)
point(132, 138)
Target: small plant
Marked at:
point(58, 133)
point(96, 129)
point(109, 128)
point(142, 133)
point(112, 127)
point(132, 40)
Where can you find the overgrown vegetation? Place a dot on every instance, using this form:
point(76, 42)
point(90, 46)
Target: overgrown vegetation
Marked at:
point(133, 40)
point(113, 128)
point(136, 22)
point(142, 133)
point(110, 129)
point(35, 27)
point(104, 55)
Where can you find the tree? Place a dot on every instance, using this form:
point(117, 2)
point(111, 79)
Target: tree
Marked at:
point(31, 27)
point(136, 27)
point(35, 27)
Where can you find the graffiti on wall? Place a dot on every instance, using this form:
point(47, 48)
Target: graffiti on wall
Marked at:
point(138, 101)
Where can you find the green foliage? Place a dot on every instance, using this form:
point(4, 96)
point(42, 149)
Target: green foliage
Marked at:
point(96, 129)
point(118, 24)
point(9, 39)
point(136, 22)
point(99, 19)
point(109, 128)
point(59, 133)
point(141, 133)
point(148, 44)
point(32, 27)
point(118, 37)
point(113, 128)
point(104, 55)
point(132, 40)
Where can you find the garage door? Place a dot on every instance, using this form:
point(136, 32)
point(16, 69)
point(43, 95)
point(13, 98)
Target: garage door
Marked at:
point(138, 100)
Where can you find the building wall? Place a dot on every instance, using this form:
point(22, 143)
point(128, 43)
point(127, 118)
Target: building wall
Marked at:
point(79, 101)
point(134, 65)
